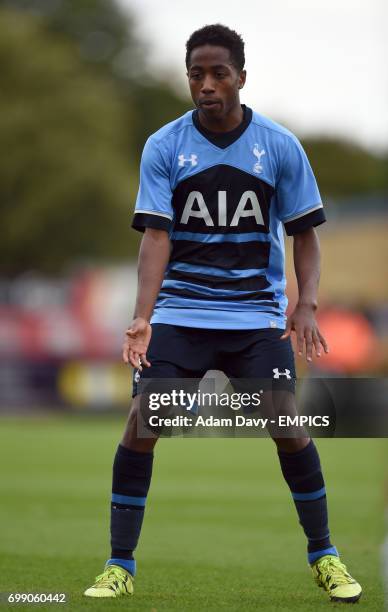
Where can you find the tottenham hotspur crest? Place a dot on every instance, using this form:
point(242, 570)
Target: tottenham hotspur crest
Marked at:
point(259, 154)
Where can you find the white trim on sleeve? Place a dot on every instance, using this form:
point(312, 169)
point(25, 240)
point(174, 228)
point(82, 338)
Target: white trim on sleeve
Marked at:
point(302, 214)
point(152, 212)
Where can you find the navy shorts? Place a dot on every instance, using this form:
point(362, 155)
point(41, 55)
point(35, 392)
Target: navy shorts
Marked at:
point(178, 352)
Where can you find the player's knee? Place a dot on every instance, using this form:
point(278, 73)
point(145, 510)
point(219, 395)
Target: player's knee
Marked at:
point(136, 435)
point(134, 417)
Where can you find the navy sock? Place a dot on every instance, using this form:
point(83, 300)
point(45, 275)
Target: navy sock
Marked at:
point(303, 474)
point(131, 481)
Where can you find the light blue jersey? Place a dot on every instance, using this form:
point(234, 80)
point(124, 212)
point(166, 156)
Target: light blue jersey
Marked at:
point(224, 199)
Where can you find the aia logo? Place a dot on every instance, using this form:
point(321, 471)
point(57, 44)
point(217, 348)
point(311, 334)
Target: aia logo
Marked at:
point(248, 206)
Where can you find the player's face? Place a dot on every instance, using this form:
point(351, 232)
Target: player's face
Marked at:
point(214, 81)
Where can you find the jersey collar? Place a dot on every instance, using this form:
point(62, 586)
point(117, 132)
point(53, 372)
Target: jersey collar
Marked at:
point(224, 139)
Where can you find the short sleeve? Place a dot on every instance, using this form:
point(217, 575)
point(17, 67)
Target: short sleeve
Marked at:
point(299, 200)
point(153, 204)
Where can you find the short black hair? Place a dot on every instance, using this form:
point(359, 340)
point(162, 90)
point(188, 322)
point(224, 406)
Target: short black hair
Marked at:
point(220, 36)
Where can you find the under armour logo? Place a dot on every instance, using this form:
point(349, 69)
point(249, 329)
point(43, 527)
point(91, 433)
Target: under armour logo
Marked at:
point(137, 376)
point(193, 159)
point(277, 374)
point(259, 154)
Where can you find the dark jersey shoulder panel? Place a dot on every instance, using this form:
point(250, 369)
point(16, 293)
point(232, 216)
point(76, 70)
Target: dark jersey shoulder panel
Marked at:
point(303, 222)
point(151, 220)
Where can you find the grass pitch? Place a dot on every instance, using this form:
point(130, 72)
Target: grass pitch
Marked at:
point(220, 531)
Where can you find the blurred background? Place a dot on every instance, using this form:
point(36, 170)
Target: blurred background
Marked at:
point(84, 83)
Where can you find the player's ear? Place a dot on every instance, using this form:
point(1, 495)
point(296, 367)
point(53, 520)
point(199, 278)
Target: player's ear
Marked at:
point(242, 78)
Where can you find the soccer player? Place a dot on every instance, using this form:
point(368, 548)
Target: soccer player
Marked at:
point(217, 185)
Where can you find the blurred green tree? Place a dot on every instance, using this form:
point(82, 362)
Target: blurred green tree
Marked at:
point(101, 32)
point(65, 175)
point(74, 115)
point(345, 169)
point(104, 38)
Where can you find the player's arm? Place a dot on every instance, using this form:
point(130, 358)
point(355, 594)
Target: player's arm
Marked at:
point(301, 210)
point(153, 259)
point(154, 217)
point(307, 270)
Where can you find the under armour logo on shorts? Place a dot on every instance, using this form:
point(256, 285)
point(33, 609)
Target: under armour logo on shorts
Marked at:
point(277, 374)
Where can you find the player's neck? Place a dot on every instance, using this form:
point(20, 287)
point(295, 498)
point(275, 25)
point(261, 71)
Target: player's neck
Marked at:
point(227, 123)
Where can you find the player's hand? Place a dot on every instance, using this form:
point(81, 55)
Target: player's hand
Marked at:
point(137, 339)
point(302, 322)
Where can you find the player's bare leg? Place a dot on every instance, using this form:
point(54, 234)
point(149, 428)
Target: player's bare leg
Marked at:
point(135, 437)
